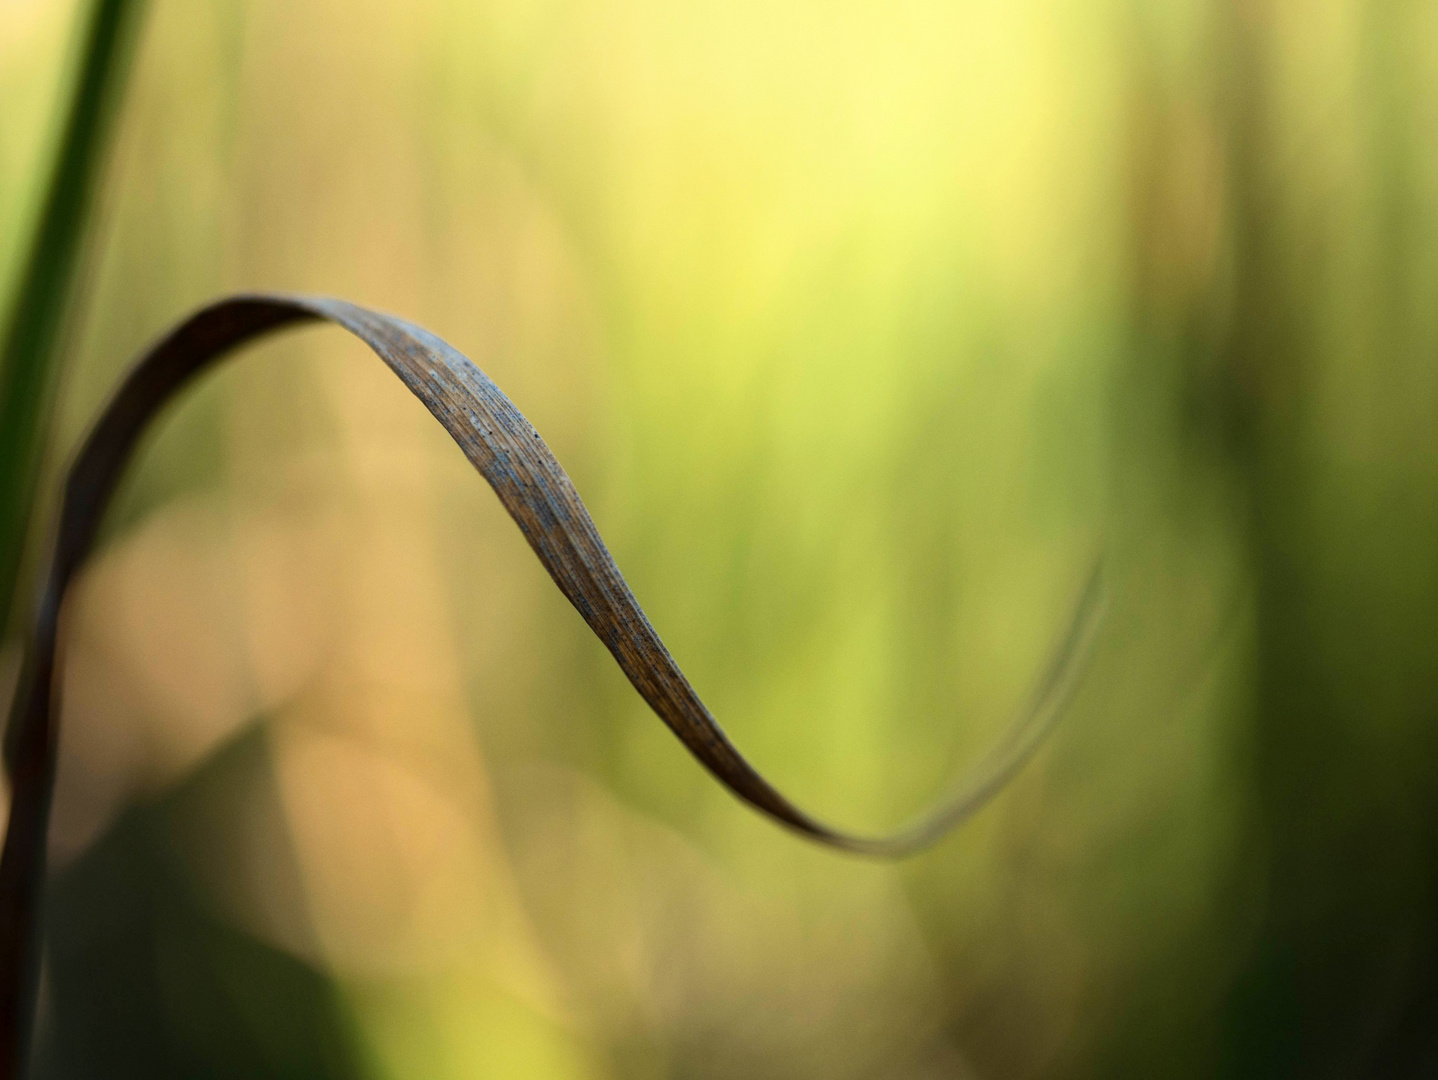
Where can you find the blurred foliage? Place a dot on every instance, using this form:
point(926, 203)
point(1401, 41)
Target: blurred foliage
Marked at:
point(858, 326)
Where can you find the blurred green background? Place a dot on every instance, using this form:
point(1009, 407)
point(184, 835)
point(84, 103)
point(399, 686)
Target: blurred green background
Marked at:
point(859, 326)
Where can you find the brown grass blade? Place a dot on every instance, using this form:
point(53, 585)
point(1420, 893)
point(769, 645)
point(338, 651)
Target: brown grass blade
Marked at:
point(511, 456)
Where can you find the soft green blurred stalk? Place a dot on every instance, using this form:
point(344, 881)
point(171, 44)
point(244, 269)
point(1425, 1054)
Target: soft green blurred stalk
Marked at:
point(45, 283)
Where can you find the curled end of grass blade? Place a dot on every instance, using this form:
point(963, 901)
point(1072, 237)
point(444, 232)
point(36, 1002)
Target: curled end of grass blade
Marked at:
point(509, 453)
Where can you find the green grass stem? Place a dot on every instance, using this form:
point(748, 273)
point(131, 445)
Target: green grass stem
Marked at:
point(28, 361)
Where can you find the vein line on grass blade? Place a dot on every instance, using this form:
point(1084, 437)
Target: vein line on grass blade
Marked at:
point(534, 489)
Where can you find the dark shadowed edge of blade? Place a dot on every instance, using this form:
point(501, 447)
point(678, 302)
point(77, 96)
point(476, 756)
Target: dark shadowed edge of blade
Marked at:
point(511, 456)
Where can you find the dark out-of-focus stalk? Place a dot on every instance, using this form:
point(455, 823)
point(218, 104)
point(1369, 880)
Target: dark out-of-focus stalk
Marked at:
point(28, 362)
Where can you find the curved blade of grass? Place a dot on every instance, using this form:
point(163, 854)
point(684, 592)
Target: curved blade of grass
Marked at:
point(27, 368)
point(510, 455)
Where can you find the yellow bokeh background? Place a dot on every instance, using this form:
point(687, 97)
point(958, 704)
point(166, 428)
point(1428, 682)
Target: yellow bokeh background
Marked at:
point(860, 327)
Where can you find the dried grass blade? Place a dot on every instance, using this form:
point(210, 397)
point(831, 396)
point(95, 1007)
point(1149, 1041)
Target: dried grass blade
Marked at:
point(511, 456)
